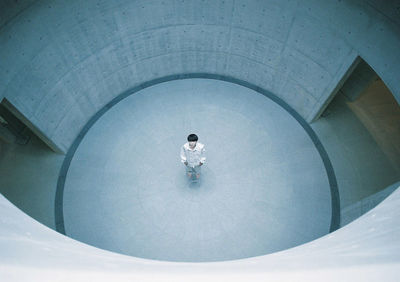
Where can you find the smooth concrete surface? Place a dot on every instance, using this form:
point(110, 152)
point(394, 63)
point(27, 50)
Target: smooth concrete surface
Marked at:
point(63, 61)
point(359, 208)
point(366, 250)
point(264, 187)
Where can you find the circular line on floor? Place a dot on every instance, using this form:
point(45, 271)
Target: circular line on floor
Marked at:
point(335, 202)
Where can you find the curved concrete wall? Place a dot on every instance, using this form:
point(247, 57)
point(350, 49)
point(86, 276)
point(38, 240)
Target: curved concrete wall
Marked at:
point(366, 250)
point(61, 61)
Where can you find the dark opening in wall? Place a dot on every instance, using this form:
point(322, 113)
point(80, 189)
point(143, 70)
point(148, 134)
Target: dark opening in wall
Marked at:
point(379, 112)
point(16, 128)
point(29, 168)
point(365, 118)
point(367, 96)
point(12, 130)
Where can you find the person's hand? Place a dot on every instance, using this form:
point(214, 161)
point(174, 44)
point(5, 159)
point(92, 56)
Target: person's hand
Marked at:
point(186, 163)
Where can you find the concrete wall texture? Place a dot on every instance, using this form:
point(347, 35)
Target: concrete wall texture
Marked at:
point(61, 61)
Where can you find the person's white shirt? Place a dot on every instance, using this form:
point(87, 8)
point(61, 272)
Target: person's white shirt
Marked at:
point(193, 156)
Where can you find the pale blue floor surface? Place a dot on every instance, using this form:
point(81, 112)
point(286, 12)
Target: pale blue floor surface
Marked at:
point(263, 188)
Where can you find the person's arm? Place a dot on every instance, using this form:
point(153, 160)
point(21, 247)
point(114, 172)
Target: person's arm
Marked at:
point(183, 156)
point(203, 156)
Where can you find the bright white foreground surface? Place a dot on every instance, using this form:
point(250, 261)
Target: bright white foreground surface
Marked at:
point(263, 189)
point(366, 250)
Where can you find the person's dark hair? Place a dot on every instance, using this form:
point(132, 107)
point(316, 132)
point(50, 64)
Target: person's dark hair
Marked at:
point(192, 138)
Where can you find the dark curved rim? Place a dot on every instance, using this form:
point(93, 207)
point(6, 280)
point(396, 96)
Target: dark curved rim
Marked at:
point(335, 201)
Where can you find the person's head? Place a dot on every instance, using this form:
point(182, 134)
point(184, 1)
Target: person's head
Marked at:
point(192, 139)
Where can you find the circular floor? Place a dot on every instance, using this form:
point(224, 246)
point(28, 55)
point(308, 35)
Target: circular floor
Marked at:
point(264, 187)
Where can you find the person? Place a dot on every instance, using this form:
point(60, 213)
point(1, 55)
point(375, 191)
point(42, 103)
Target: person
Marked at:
point(193, 156)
